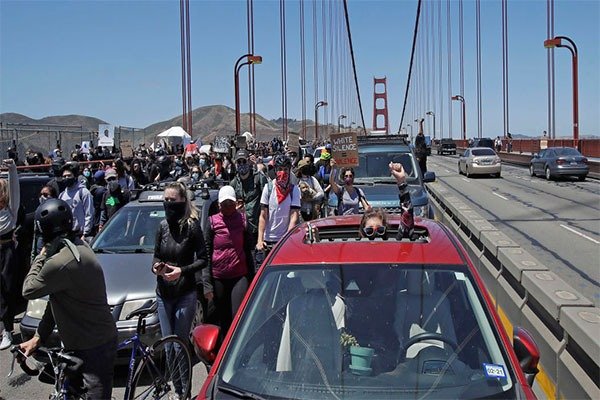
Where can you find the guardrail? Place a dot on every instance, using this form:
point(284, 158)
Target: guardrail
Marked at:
point(565, 325)
point(587, 147)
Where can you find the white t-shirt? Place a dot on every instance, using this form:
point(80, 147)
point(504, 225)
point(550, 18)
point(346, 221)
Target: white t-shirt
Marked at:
point(279, 213)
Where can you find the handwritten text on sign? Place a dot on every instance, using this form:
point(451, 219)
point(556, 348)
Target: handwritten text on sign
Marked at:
point(344, 147)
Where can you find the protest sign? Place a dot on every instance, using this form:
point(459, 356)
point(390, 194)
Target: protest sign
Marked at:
point(344, 148)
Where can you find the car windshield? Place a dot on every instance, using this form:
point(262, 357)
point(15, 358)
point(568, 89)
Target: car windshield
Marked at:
point(483, 152)
point(375, 166)
point(422, 333)
point(133, 228)
point(567, 151)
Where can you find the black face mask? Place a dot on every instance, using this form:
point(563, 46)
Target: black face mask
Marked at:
point(114, 187)
point(69, 181)
point(174, 211)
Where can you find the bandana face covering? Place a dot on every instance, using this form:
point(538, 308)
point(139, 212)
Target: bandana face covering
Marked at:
point(243, 169)
point(174, 211)
point(282, 185)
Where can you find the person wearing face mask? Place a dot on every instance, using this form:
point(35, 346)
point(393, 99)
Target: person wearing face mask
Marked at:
point(114, 198)
point(87, 177)
point(79, 198)
point(349, 197)
point(48, 192)
point(248, 185)
point(229, 258)
point(179, 254)
point(204, 164)
point(140, 179)
point(311, 191)
point(195, 174)
point(280, 202)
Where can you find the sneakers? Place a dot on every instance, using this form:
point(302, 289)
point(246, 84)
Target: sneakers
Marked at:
point(6, 340)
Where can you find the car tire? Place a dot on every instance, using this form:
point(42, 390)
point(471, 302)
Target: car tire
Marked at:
point(581, 178)
point(531, 171)
point(467, 171)
point(498, 175)
point(548, 174)
point(459, 170)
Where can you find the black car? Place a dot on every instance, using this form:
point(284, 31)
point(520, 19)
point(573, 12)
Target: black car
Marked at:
point(373, 174)
point(446, 146)
point(483, 142)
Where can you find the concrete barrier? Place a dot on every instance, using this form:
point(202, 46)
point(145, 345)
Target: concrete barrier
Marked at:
point(565, 325)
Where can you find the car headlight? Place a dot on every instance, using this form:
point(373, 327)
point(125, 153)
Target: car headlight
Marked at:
point(36, 308)
point(421, 211)
point(130, 306)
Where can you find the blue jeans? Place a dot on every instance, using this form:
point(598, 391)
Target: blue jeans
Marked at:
point(176, 317)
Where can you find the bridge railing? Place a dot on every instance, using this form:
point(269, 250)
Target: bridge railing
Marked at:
point(587, 147)
point(565, 324)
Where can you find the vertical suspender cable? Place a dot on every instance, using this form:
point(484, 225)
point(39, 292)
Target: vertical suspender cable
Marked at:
point(331, 67)
point(324, 46)
point(253, 112)
point(315, 52)
point(461, 56)
point(449, 59)
point(427, 62)
point(505, 65)
point(189, 68)
point(410, 67)
point(478, 33)
point(440, 69)
point(433, 72)
point(283, 68)
point(550, 58)
point(302, 69)
point(250, 71)
point(362, 118)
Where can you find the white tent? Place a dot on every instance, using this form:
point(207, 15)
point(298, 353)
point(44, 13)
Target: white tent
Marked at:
point(176, 132)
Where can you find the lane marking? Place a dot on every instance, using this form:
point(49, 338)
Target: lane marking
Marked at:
point(447, 170)
point(502, 197)
point(465, 179)
point(580, 234)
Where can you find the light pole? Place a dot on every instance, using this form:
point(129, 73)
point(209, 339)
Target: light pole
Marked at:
point(352, 123)
point(319, 104)
point(341, 117)
point(464, 121)
point(557, 42)
point(250, 59)
point(411, 136)
point(433, 115)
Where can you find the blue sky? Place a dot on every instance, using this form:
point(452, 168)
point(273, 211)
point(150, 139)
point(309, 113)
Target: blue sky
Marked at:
point(120, 60)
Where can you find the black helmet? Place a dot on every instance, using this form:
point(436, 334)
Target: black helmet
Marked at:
point(164, 161)
point(282, 161)
point(53, 218)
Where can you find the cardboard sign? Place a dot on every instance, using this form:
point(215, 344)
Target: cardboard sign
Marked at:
point(126, 149)
point(85, 147)
point(293, 141)
point(221, 145)
point(241, 142)
point(106, 135)
point(344, 148)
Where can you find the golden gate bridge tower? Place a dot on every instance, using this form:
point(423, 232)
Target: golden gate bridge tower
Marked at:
point(382, 107)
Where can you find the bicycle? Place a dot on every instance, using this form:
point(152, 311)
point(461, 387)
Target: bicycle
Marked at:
point(166, 366)
point(64, 370)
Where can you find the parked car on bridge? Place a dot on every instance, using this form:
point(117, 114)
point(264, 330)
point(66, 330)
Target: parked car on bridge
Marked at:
point(331, 315)
point(125, 248)
point(559, 161)
point(373, 174)
point(482, 142)
point(480, 161)
point(446, 146)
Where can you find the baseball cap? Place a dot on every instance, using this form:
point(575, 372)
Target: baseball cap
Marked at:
point(227, 193)
point(110, 173)
point(241, 154)
point(99, 175)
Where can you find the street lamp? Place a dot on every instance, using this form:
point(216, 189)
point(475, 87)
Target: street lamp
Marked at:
point(341, 117)
point(250, 59)
point(557, 42)
point(319, 104)
point(433, 115)
point(464, 121)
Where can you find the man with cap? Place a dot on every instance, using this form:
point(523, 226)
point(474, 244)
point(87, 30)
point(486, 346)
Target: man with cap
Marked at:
point(115, 197)
point(68, 272)
point(248, 185)
point(79, 199)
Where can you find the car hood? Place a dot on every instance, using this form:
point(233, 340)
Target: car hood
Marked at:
point(127, 277)
point(386, 195)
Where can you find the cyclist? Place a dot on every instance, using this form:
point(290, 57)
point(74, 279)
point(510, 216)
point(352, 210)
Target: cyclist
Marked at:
point(67, 270)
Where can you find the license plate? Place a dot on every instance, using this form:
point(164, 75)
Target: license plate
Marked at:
point(573, 162)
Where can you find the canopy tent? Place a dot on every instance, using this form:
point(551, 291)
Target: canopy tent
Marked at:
point(176, 132)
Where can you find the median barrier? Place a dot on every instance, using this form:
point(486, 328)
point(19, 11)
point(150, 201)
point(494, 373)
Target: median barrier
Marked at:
point(565, 325)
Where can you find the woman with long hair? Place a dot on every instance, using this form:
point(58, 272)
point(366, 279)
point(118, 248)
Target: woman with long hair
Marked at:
point(349, 197)
point(179, 253)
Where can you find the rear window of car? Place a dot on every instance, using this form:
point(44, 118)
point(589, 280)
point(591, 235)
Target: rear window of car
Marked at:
point(567, 151)
point(294, 337)
point(483, 152)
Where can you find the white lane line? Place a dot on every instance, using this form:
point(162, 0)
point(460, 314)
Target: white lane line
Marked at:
point(579, 233)
point(499, 195)
point(447, 170)
point(465, 179)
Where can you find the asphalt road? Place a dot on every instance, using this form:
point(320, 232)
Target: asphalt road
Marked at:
point(558, 222)
point(20, 386)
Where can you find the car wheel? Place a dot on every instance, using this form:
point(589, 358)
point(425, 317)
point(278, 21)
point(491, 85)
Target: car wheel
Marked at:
point(498, 175)
point(581, 178)
point(531, 171)
point(467, 171)
point(548, 174)
point(459, 170)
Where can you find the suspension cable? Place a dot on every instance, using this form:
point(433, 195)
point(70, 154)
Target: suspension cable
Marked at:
point(183, 65)
point(324, 34)
point(362, 117)
point(283, 68)
point(505, 65)
point(302, 69)
point(410, 67)
point(478, 32)
point(440, 69)
point(449, 49)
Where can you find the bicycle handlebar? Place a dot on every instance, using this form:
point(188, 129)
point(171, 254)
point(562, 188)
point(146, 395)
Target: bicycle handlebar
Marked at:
point(21, 358)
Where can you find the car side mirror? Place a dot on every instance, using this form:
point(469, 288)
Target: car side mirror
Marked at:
point(429, 176)
point(527, 353)
point(536, 155)
point(205, 338)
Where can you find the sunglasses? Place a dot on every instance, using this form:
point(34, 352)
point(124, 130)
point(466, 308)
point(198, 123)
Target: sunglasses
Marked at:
point(348, 176)
point(242, 161)
point(370, 231)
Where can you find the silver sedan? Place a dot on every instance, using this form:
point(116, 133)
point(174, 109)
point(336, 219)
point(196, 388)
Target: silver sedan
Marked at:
point(480, 161)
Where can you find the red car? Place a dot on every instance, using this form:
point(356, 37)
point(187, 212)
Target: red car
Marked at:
point(333, 316)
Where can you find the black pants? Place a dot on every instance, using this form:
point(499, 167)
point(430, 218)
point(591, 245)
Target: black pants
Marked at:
point(98, 369)
point(9, 290)
point(423, 164)
point(229, 294)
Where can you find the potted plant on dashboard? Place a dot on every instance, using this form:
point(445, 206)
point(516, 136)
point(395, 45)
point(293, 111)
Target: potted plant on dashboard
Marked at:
point(360, 356)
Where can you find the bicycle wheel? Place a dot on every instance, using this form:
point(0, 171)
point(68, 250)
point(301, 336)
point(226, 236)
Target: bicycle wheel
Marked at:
point(166, 374)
